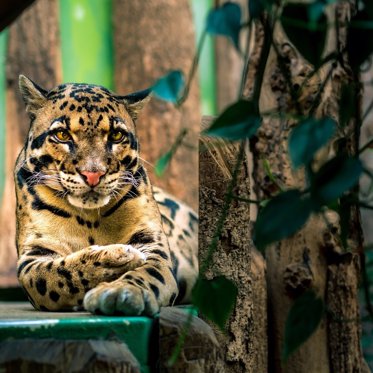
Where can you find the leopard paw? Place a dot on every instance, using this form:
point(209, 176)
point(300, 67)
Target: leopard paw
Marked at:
point(121, 297)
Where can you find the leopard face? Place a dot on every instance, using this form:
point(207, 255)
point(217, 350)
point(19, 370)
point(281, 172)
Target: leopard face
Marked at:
point(83, 144)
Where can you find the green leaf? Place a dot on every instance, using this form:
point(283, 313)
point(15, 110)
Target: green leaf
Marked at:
point(170, 86)
point(282, 216)
point(215, 298)
point(334, 178)
point(162, 163)
point(303, 319)
point(239, 121)
point(308, 137)
point(226, 21)
point(257, 7)
point(307, 34)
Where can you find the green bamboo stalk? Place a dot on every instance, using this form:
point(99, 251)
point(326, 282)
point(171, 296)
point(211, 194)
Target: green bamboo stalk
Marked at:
point(207, 67)
point(87, 41)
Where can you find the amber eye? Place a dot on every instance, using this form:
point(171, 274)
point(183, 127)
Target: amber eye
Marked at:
point(62, 136)
point(116, 136)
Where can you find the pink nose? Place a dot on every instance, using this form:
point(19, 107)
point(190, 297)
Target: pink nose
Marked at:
point(92, 178)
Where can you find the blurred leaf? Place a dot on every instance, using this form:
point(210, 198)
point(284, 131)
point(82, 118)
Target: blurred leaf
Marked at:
point(346, 105)
point(239, 121)
point(257, 7)
point(170, 87)
point(308, 137)
point(162, 163)
point(307, 34)
point(215, 298)
point(360, 38)
point(303, 319)
point(226, 21)
point(334, 178)
point(282, 216)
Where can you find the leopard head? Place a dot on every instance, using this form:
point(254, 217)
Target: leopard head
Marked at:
point(82, 141)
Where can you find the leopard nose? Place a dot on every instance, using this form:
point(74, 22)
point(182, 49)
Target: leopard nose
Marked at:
point(92, 178)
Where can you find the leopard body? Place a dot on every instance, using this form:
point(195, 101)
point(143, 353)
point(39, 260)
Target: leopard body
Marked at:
point(92, 232)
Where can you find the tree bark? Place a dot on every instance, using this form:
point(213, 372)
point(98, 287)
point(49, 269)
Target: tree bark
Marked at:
point(244, 345)
point(33, 51)
point(312, 258)
point(152, 38)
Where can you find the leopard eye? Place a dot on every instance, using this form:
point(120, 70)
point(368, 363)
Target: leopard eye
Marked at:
point(62, 136)
point(116, 136)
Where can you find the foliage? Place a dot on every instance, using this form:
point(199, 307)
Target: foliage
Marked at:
point(331, 185)
point(303, 319)
point(215, 298)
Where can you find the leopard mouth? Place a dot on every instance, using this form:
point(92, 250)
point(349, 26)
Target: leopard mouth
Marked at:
point(89, 200)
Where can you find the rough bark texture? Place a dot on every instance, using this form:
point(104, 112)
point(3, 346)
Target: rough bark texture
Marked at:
point(33, 51)
point(152, 38)
point(244, 345)
point(91, 356)
point(312, 258)
point(200, 352)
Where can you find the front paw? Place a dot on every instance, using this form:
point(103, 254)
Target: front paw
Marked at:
point(121, 297)
point(117, 255)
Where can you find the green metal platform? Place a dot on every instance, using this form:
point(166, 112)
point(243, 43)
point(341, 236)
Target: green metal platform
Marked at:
point(18, 320)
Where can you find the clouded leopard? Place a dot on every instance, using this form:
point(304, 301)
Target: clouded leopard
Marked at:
point(92, 232)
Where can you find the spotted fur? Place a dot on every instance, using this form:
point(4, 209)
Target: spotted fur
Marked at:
point(91, 230)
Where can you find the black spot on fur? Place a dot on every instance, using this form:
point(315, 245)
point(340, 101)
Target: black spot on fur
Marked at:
point(172, 299)
point(49, 265)
point(141, 237)
point(160, 253)
point(80, 220)
point(96, 264)
point(192, 220)
point(155, 290)
point(171, 205)
point(54, 296)
point(39, 141)
point(63, 105)
point(182, 290)
point(72, 107)
point(41, 286)
point(38, 204)
point(65, 273)
point(81, 121)
point(39, 250)
point(132, 193)
point(91, 240)
point(139, 281)
point(84, 282)
point(23, 265)
point(60, 284)
point(22, 175)
point(96, 224)
point(154, 273)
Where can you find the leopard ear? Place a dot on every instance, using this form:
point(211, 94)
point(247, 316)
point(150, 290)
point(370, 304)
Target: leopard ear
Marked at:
point(33, 95)
point(134, 102)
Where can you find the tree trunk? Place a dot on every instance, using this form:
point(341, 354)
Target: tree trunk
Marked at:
point(152, 38)
point(312, 258)
point(244, 344)
point(33, 51)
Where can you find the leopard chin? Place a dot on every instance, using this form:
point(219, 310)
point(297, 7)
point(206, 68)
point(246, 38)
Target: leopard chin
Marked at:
point(91, 200)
